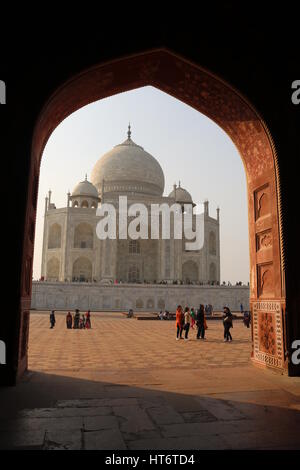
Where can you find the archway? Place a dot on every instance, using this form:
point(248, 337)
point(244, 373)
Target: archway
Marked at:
point(150, 303)
point(190, 271)
point(83, 236)
point(133, 273)
point(216, 99)
point(54, 240)
point(212, 272)
point(82, 270)
point(52, 273)
point(139, 303)
point(212, 243)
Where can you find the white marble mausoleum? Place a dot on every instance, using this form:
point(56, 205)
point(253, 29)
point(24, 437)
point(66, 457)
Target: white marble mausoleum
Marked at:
point(72, 252)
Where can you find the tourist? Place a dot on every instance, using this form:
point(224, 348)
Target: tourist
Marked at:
point(179, 322)
point(130, 313)
point(200, 321)
point(82, 322)
point(161, 315)
point(227, 322)
point(88, 323)
point(187, 323)
point(76, 319)
point(193, 317)
point(242, 308)
point(69, 320)
point(247, 319)
point(52, 319)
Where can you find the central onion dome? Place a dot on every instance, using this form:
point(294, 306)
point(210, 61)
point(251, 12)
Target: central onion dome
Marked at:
point(128, 168)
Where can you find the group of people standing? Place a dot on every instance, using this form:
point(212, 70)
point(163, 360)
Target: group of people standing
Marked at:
point(76, 321)
point(188, 318)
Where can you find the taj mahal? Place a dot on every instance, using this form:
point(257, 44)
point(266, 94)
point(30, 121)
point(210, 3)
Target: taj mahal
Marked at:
point(79, 269)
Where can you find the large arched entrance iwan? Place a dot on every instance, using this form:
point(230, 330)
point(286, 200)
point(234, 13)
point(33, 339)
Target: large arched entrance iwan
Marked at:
point(216, 99)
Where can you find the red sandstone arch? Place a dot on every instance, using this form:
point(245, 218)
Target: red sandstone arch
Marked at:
point(219, 101)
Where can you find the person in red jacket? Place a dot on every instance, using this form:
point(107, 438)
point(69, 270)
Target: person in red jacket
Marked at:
point(179, 322)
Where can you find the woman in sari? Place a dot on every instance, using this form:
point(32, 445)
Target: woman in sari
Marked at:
point(69, 320)
point(88, 320)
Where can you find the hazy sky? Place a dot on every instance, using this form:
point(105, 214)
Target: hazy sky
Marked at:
point(189, 147)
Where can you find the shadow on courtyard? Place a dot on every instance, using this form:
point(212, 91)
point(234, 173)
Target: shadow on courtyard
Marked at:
point(48, 411)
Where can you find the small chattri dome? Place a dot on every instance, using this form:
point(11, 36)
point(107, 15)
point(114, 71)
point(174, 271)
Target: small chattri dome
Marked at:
point(85, 188)
point(181, 195)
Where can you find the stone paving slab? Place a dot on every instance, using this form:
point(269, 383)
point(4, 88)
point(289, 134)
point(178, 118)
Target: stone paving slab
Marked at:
point(203, 416)
point(110, 439)
point(222, 410)
point(164, 415)
point(21, 440)
point(134, 419)
point(212, 442)
point(211, 428)
point(150, 402)
point(45, 424)
point(96, 423)
point(63, 440)
point(66, 412)
point(262, 440)
point(97, 402)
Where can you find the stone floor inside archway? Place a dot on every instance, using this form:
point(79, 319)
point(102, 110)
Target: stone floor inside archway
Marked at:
point(127, 384)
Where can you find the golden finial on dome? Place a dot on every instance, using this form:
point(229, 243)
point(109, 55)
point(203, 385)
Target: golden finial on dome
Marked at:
point(129, 131)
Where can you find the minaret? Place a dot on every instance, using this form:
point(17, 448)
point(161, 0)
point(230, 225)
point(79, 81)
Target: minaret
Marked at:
point(218, 214)
point(68, 198)
point(206, 212)
point(49, 198)
point(46, 204)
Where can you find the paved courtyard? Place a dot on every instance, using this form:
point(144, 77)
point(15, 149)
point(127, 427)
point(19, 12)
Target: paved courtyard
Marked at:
point(117, 343)
point(127, 384)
